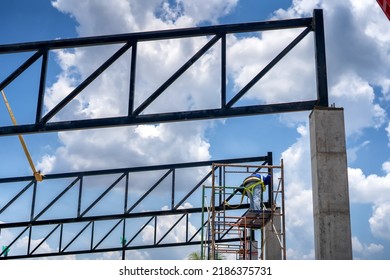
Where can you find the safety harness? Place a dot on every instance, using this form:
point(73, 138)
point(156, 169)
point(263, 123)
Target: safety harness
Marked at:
point(252, 182)
point(247, 187)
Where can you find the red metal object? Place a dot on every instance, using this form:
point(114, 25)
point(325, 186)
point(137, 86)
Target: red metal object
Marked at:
point(385, 5)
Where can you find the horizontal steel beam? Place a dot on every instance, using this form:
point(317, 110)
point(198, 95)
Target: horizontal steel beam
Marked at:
point(159, 118)
point(135, 169)
point(157, 35)
point(115, 249)
point(145, 214)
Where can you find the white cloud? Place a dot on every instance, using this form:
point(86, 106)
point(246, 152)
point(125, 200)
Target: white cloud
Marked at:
point(365, 189)
point(379, 222)
point(357, 97)
point(299, 201)
point(46, 164)
point(248, 56)
point(206, 10)
point(115, 148)
point(130, 16)
point(365, 250)
point(386, 166)
point(375, 190)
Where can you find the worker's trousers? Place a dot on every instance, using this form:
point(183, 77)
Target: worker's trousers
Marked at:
point(256, 198)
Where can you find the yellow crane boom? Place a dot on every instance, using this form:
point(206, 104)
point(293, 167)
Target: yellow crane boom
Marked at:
point(38, 176)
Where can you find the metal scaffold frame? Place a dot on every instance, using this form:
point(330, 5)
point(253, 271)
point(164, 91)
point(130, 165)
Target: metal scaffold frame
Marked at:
point(222, 196)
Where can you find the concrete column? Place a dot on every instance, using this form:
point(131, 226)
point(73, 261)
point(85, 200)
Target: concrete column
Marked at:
point(332, 225)
point(273, 248)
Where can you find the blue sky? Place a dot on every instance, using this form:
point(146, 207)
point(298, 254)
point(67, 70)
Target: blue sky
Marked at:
point(358, 50)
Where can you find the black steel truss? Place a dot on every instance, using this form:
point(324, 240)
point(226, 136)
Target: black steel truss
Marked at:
point(54, 227)
point(83, 216)
point(131, 41)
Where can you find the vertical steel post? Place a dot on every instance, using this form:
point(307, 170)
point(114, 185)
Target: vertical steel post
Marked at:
point(202, 242)
point(92, 233)
point(223, 71)
point(155, 231)
point(132, 78)
point(270, 172)
point(320, 58)
point(29, 240)
point(213, 212)
point(80, 196)
point(124, 219)
point(34, 195)
point(283, 210)
point(173, 189)
point(42, 86)
point(60, 241)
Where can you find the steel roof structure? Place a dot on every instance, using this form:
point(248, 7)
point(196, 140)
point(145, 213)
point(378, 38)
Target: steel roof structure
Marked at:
point(42, 223)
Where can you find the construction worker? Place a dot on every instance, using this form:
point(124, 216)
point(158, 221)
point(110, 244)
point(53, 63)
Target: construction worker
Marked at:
point(254, 186)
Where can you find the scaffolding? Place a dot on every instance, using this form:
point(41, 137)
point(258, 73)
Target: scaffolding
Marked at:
point(231, 227)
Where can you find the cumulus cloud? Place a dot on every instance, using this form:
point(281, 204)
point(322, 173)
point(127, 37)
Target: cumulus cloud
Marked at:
point(299, 201)
point(130, 16)
point(379, 222)
point(248, 56)
point(373, 189)
point(206, 10)
point(115, 148)
point(365, 189)
point(365, 250)
point(358, 98)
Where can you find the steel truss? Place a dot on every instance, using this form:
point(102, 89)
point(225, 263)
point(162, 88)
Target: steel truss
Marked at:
point(86, 222)
point(43, 225)
point(131, 41)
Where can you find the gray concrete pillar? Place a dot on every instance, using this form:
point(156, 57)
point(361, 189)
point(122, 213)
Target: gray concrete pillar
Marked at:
point(273, 246)
point(331, 211)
